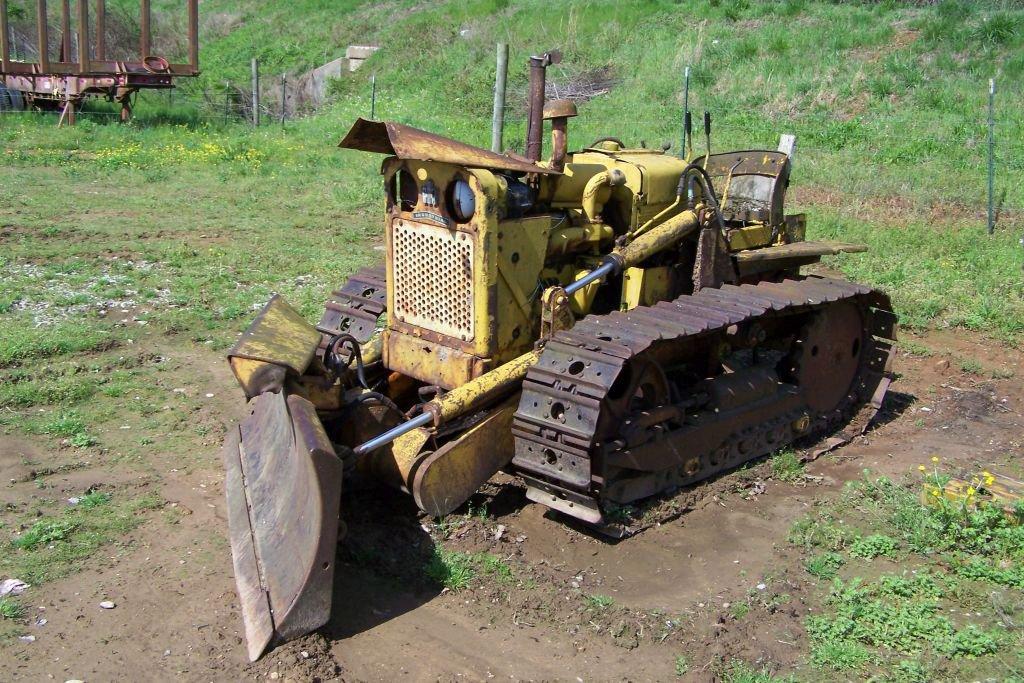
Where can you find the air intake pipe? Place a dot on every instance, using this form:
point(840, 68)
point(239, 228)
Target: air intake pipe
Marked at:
point(559, 112)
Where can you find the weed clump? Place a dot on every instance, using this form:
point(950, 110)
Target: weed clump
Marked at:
point(450, 568)
point(44, 532)
point(9, 609)
point(787, 466)
point(598, 602)
point(960, 543)
point(875, 545)
point(825, 565)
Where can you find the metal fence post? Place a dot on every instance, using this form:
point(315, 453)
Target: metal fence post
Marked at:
point(991, 154)
point(373, 97)
point(255, 92)
point(284, 94)
point(498, 116)
point(686, 111)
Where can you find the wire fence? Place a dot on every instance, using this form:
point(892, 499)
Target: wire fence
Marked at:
point(270, 100)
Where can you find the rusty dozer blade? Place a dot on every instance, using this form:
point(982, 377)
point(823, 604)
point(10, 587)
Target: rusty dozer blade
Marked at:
point(283, 490)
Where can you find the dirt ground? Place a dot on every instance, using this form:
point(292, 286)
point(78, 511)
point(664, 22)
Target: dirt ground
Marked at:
point(670, 586)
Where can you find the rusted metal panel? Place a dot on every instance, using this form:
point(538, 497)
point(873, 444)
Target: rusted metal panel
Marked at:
point(5, 48)
point(446, 478)
point(144, 30)
point(429, 361)
point(83, 36)
point(283, 490)
point(278, 337)
point(406, 142)
point(101, 30)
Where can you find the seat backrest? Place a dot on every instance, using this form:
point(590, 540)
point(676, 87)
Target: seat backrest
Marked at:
point(756, 180)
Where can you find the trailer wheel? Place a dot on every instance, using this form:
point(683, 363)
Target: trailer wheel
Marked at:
point(17, 99)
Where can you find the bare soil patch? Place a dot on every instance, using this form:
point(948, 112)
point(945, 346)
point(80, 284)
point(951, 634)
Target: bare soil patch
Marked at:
point(718, 582)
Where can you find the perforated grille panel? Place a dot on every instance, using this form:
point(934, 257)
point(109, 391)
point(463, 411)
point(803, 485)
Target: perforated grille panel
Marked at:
point(433, 273)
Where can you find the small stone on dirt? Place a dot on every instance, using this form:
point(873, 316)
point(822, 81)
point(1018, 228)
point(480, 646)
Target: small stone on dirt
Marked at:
point(209, 396)
point(274, 675)
point(73, 501)
point(304, 654)
point(107, 604)
point(27, 639)
point(499, 532)
point(761, 586)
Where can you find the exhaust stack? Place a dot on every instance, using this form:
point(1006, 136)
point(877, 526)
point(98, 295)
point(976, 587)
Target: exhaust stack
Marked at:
point(535, 121)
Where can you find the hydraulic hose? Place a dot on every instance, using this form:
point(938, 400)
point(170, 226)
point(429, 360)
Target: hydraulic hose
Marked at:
point(695, 172)
point(339, 365)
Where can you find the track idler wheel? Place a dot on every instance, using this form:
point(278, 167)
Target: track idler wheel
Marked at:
point(827, 356)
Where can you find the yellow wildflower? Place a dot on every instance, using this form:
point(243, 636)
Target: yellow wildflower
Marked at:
point(935, 458)
point(921, 468)
point(971, 491)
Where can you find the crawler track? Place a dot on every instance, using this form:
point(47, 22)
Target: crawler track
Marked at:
point(628, 404)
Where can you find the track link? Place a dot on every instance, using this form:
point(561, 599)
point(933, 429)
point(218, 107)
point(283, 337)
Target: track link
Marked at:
point(355, 307)
point(582, 441)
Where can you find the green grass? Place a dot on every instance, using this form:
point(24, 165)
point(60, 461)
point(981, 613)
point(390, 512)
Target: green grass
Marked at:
point(939, 616)
point(452, 569)
point(496, 567)
point(682, 665)
point(455, 570)
point(875, 545)
point(598, 602)
point(11, 609)
point(971, 366)
point(825, 565)
point(739, 671)
point(787, 466)
point(55, 546)
point(738, 610)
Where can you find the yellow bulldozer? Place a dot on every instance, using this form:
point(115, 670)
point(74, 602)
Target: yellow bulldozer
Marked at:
point(604, 324)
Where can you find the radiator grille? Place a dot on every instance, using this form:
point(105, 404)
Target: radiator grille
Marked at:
point(433, 272)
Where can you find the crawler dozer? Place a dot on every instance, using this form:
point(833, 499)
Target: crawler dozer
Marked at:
point(604, 324)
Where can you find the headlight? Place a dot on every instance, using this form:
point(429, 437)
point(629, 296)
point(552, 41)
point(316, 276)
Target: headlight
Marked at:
point(463, 201)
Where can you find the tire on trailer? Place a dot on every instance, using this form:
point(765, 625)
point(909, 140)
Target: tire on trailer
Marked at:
point(11, 100)
point(17, 99)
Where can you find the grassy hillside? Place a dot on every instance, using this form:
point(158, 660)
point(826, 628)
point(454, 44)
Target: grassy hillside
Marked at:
point(888, 102)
